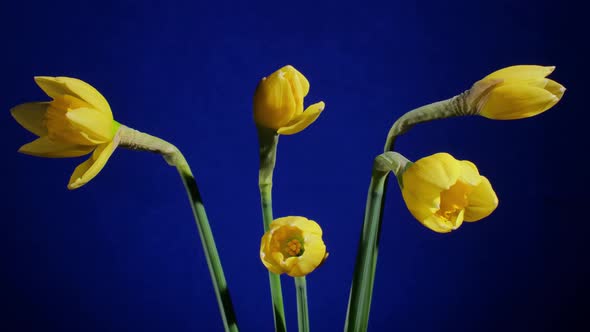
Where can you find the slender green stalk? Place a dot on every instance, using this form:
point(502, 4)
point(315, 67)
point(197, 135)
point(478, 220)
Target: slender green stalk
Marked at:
point(359, 304)
point(133, 139)
point(302, 311)
point(274, 279)
point(213, 262)
point(268, 141)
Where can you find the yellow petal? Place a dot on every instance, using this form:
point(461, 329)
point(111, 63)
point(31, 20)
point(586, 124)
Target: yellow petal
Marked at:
point(32, 117)
point(87, 93)
point(521, 72)
point(420, 207)
point(310, 227)
point(469, 173)
point(299, 87)
point(51, 86)
point(289, 264)
point(97, 125)
point(59, 86)
point(315, 251)
point(537, 82)
point(266, 256)
point(274, 103)
point(45, 147)
point(555, 88)
point(299, 80)
point(429, 176)
point(459, 220)
point(61, 129)
point(286, 221)
point(516, 101)
point(304, 120)
point(90, 168)
point(482, 201)
point(436, 224)
point(301, 223)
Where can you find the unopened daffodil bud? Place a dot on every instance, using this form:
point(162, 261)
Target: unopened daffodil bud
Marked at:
point(442, 192)
point(76, 122)
point(516, 92)
point(278, 102)
point(293, 245)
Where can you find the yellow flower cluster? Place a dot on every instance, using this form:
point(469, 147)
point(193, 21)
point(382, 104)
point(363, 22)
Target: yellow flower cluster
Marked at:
point(440, 191)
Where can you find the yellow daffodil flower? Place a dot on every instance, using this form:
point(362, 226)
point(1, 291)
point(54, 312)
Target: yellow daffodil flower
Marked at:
point(521, 92)
point(293, 245)
point(442, 192)
point(76, 122)
point(278, 102)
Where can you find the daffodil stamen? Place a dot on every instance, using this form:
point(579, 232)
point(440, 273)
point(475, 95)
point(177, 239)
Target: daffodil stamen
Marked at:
point(294, 248)
point(452, 201)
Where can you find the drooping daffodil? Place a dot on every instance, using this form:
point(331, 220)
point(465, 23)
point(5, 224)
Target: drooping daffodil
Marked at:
point(519, 92)
point(441, 192)
point(278, 102)
point(293, 245)
point(76, 122)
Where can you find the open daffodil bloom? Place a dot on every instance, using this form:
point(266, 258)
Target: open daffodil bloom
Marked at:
point(522, 91)
point(442, 192)
point(278, 102)
point(293, 245)
point(76, 122)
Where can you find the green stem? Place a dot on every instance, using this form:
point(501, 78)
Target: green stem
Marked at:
point(133, 139)
point(276, 291)
point(302, 311)
point(213, 262)
point(268, 150)
point(359, 304)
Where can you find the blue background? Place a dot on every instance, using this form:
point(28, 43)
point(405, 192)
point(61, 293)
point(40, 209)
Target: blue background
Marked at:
point(123, 254)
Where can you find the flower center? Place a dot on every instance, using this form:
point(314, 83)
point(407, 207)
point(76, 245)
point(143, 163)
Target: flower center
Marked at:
point(453, 201)
point(294, 248)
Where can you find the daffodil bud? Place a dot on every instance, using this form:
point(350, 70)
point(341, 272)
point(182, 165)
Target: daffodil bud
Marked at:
point(293, 245)
point(442, 192)
point(516, 92)
point(278, 102)
point(76, 122)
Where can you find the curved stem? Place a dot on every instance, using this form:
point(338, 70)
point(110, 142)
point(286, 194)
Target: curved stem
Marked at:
point(302, 310)
point(456, 106)
point(133, 139)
